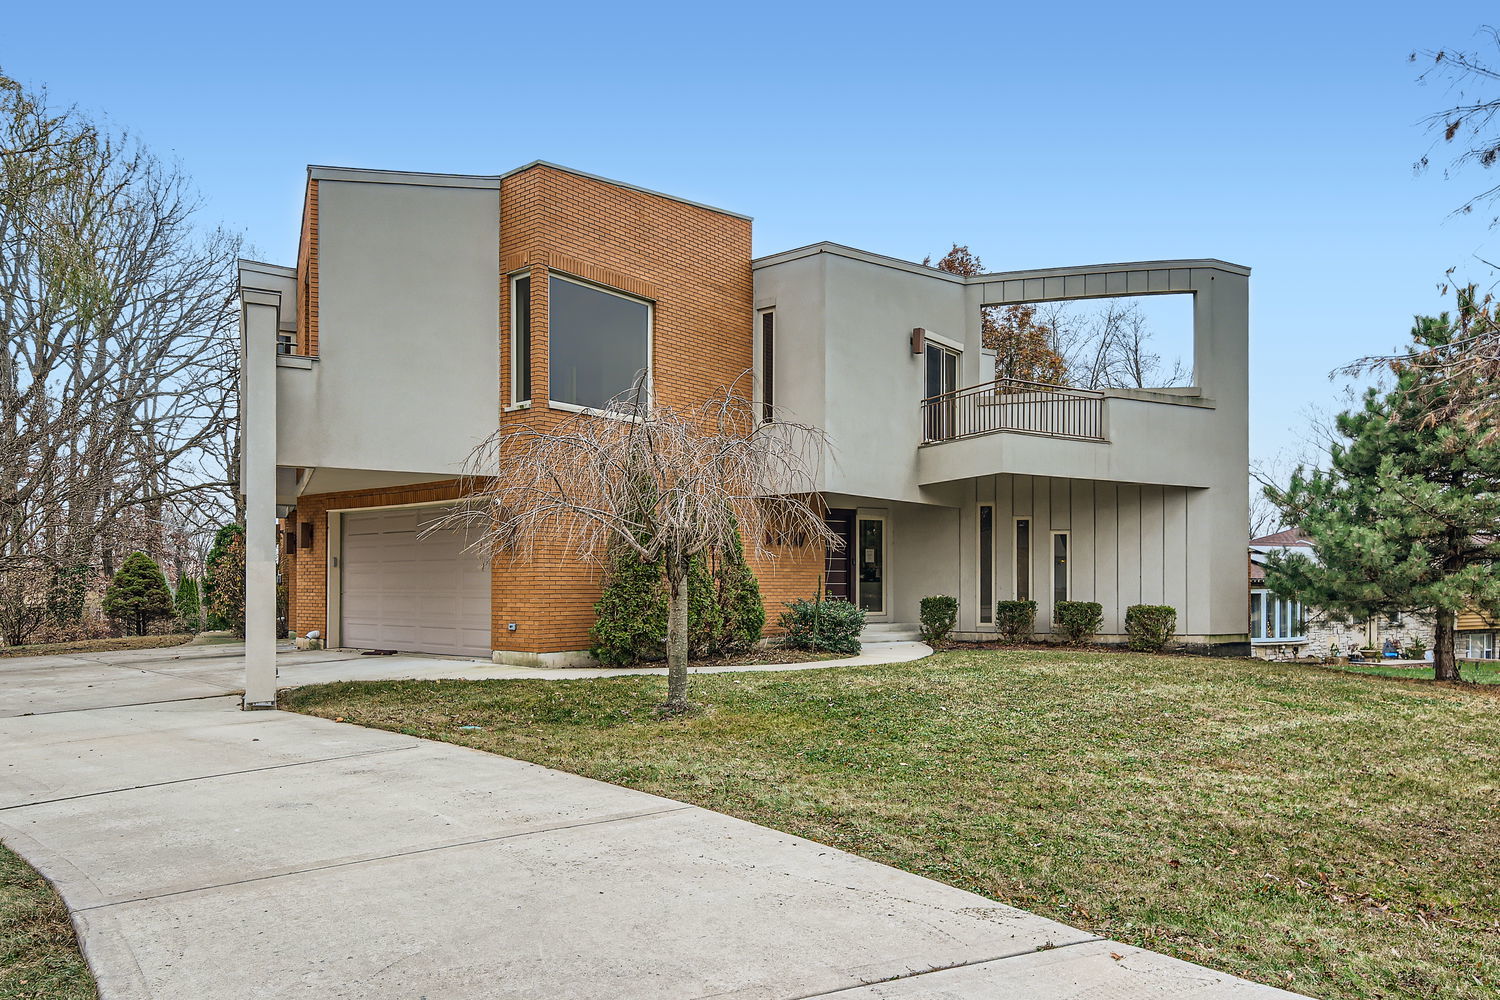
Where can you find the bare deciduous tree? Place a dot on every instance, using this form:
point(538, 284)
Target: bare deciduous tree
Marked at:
point(1109, 347)
point(667, 482)
point(120, 363)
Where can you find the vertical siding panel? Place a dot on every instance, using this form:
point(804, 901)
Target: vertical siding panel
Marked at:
point(1107, 555)
point(1130, 547)
point(1005, 540)
point(1174, 548)
point(1151, 545)
point(1081, 551)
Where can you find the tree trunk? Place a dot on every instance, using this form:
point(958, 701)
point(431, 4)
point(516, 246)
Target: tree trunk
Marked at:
point(677, 633)
point(1444, 663)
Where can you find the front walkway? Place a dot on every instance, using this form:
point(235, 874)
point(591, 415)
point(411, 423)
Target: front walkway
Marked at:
point(209, 852)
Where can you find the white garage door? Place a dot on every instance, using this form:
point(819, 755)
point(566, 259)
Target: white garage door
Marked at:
point(416, 594)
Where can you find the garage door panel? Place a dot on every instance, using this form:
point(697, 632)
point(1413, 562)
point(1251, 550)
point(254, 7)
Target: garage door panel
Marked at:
point(406, 591)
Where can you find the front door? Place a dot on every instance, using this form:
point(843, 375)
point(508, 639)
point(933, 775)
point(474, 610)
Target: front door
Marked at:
point(837, 580)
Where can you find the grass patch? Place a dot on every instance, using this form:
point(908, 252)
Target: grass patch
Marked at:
point(98, 646)
point(1473, 671)
point(39, 956)
point(1329, 832)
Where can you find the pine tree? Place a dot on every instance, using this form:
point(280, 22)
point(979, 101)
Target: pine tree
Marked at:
point(630, 623)
point(1406, 516)
point(138, 594)
point(742, 609)
point(189, 608)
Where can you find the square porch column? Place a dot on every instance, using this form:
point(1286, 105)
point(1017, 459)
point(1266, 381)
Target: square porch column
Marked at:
point(258, 327)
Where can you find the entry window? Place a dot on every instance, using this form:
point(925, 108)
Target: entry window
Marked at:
point(520, 338)
point(768, 365)
point(872, 564)
point(986, 564)
point(598, 343)
point(1023, 559)
point(1059, 566)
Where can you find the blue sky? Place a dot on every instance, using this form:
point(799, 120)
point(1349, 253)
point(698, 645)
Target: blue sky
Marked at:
point(1275, 135)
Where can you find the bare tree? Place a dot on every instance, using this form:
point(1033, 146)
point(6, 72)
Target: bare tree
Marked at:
point(117, 312)
point(1469, 125)
point(1110, 347)
point(667, 482)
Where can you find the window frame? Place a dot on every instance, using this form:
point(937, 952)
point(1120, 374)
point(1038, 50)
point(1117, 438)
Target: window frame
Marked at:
point(1015, 558)
point(767, 365)
point(1274, 611)
point(1067, 537)
point(860, 518)
point(518, 336)
point(986, 559)
point(558, 404)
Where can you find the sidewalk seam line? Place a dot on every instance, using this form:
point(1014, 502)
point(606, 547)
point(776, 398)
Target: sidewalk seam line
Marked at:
point(945, 968)
point(204, 777)
point(387, 857)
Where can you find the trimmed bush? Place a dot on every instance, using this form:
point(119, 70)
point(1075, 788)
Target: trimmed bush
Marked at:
point(1015, 620)
point(725, 612)
point(138, 595)
point(189, 607)
point(939, 615)
point(631, 616)
point(1076, 621)
point(1150, 626)
point(742, 610)
point(832, 625)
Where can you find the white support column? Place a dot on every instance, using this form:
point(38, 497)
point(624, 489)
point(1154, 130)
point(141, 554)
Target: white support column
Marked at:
point(258, 327)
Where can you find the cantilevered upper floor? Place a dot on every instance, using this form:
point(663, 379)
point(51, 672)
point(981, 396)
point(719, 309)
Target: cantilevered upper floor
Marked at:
point(888, 358)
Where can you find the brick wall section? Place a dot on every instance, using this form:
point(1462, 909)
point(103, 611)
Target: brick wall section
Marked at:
point(694, 264)
point(307, 275)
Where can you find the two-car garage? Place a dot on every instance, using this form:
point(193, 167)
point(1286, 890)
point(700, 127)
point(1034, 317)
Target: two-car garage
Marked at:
point(408, 589)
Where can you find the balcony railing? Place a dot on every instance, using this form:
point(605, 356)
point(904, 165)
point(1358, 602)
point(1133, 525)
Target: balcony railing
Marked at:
point(1009, 404)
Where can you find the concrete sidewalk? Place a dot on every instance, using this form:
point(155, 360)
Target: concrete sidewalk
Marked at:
point(74, 681)
point(208, 852)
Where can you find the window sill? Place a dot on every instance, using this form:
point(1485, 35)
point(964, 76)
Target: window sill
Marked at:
point(524, 404)
point(590, 411)
point(1300, 640)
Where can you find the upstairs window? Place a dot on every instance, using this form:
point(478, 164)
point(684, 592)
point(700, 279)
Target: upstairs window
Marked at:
point(520, 334)
point(768, 365)
point(598, 343)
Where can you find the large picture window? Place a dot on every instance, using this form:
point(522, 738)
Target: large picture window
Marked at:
point(598, 343)
point(1275, 619)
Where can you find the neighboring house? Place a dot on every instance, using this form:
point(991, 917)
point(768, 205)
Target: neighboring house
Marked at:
point(1477, 638)
point(426, 309)
point(1282, 629)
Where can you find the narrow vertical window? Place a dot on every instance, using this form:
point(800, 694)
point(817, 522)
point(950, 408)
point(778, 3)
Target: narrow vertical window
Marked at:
point(1023, 559)
point(1059, 566)
point(986, 564)
point(520, 338)
point(768, 365)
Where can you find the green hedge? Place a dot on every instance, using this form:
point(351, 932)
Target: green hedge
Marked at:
point(831, 625)
point(1150, 626)
point(939, 615)
point(1015, 620)
point(1076, 621)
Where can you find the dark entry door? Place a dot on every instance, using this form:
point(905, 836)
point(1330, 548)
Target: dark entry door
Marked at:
point(837, 580)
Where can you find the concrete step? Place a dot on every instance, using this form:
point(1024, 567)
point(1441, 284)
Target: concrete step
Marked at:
point(891, 632)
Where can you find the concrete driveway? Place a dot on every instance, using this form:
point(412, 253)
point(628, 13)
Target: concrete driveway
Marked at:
point(209, 852)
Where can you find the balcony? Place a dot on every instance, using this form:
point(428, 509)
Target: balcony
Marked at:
point(1015, 406)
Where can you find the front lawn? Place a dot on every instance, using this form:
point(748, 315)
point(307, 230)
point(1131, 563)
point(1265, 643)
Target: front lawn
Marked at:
point(39, 956)
point(1332, 833)
point(1477, 671)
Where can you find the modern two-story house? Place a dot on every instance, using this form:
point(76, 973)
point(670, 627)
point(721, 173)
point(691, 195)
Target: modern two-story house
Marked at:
point(427, 310)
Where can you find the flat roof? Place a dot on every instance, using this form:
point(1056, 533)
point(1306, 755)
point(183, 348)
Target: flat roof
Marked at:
point(882, 260)
point(488, 181)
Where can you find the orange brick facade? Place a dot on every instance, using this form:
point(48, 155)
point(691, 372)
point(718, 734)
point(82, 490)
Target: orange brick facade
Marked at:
point(693, 263)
